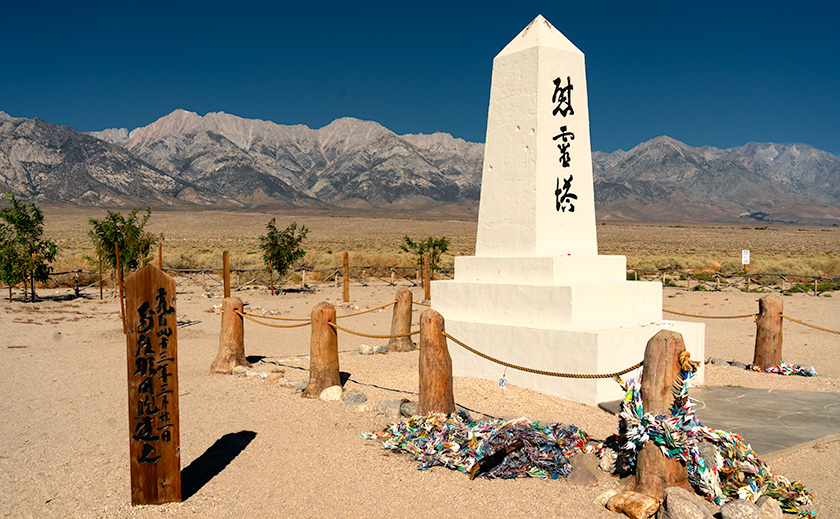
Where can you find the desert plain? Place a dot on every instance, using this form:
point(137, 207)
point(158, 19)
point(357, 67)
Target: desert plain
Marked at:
point(64, 429)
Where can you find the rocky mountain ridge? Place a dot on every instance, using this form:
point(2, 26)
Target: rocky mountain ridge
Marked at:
point(220, 160)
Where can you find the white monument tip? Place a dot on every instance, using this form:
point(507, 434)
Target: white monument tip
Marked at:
point(539, 33)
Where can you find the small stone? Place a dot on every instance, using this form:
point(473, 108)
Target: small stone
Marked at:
point(608, 458)
point(257, 374)
point(240, 370)
point(769, 508)
point(409, 409)
point(365, 349)
point(739, 509)
point(602, 498)
point(354, 398)
point(679, 503)
point(633, 505)
point(738, 364)
point(581, 475)
point(390, 408)
point(331, 394)
point(719, 362)
point(364, 408)
point(382, 348)
point(709, 454)
point(300, 385)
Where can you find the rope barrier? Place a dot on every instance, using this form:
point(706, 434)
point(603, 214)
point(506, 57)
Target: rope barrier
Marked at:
point(539, 371)
point(246, 316)
point(709, 316)
point(368, 310)
point(373, 336)
point(275, 317)
point(810, 325)
point(422, 304)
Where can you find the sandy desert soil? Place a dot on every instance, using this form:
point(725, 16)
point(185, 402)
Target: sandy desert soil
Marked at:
point(64, 433)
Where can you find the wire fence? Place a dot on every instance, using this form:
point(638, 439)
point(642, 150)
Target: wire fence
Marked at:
point(364, 275)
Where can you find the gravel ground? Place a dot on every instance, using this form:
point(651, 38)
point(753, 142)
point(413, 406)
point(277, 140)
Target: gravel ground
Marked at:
point(64, 445)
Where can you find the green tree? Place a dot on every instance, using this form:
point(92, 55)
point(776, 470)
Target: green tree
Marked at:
point(134, 242)
point(434, 246)
point(281, 249)
point(25, 255)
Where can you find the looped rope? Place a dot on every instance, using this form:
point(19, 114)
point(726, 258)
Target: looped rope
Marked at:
point(709, 316)
point(686, 364)
point(276, 318)
point(246, 316)
point(373, 336)
point(615, 375)
point(810, 325)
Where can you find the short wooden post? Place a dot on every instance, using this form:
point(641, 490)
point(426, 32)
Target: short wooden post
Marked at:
point(152, 343)
point(427, 285)
point(654, 471)
point(323, 352)
point(401, 322)
point(687, 281)
point(99, 253)
point(302, 279)
point(364, 277)
point(120, 287)
point(393, 275)
point(768, 332)
point(160, 256)
point(748, 283)
point(345, 276)
point(435, 366)
point(226, 272)
point(231, 338)
point(816, 286)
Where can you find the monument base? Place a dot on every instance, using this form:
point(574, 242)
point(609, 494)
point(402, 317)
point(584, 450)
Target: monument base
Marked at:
point(568, 327)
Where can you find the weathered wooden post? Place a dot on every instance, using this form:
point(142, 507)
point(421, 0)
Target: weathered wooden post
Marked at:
point(427, 285)
point(302, 278)
point(323, 352)
point(152, 344)
point(120, 287)
point(160, 255)
point(231, 338)
point(401, 322)
point(435, 366)
point(393, 275)
point(99, 253)
point(768, 332)
point(655, 472)
point(226, 272)
point(345, 276)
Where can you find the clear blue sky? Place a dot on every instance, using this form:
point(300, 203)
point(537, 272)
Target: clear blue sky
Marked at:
point(716, 73)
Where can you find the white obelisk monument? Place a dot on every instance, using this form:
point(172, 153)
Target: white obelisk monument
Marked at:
point(537, 294)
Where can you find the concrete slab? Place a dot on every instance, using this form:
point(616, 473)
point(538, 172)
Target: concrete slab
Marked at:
point(773, 422)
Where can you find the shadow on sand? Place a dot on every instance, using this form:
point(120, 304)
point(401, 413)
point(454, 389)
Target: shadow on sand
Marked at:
point(213, 461)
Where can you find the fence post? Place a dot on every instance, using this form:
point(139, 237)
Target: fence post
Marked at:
point(427, 277)
point(76, 288)
point(401, 322)
point(392, 276)
point(119, 287)
point(226, 272)
point(364, 277)
point(160, 256)
point(99, 253)
point(231, 338)
point(815, 286)
point(435, 366)
point(687, 281)
point(271, 277)
point(748, 283)
point(302, 279)
point(654, 471)
point(323, 352)
point(768, 332)
point(345, 276)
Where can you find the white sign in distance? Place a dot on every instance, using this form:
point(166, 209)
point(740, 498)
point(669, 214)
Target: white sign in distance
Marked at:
point(745, 257)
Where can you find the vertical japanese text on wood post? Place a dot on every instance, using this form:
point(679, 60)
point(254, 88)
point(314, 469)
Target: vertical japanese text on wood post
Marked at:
point(152, 349)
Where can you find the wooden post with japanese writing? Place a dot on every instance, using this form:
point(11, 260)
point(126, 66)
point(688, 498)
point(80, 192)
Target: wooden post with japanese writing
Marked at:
point(152, 348)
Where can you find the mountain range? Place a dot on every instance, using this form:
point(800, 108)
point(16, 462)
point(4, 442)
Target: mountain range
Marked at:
point(223, 161)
